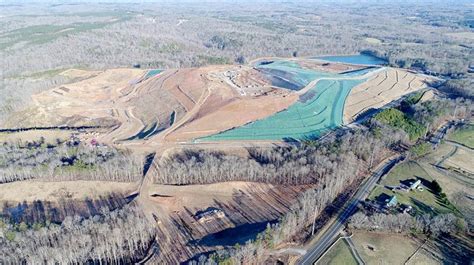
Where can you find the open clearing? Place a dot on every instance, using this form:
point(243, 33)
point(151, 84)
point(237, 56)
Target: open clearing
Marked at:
point(30, 191)
point(422, 201)
point(49, 136)
point(463, 136)
point(373, 41)
point(461, 160)
point(379, 248)
point(458, 186)
point(338, 254)
point(464, 35)
point(221, 214)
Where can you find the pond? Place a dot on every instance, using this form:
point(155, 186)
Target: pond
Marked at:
point(152, 73)
point(289, 75)
point(361, 59)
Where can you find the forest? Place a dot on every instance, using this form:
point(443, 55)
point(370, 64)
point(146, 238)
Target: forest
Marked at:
point(119, 236)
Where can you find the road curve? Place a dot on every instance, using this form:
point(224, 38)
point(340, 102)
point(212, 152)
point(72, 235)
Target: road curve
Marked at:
point(317, 250)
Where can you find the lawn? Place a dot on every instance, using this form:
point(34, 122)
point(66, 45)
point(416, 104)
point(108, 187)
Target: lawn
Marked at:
point(458, 187)
point(338, 254)
point(461, 161)
point(379, 248)
point(422, 201)
point(463, 135)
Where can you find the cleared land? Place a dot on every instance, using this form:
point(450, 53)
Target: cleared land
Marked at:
point(457, 184)
point(316, 112)
point(338, 254)
point(469, 35)
point(373, 41)
point(463, 136)
point(201, 217)
point(273, 100)
point(30, 191)
point(380, 90)
point(422, 201)
point(377, 248)
point(49, 136)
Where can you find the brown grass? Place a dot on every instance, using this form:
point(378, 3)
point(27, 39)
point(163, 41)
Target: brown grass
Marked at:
point(30, 191)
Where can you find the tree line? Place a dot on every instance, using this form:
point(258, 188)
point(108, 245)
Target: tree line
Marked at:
point(281, 165)
point(403, 223)
point(67, 161)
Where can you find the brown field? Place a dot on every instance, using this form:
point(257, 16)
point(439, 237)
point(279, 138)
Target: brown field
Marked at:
point(179, 105)
point(464, 35)
point(457, 184)
point(30, 191)
point(245, 209)
point(462, 159)
point(373, 41)
point(329, 67)
point(79, 73)
point(386, 86)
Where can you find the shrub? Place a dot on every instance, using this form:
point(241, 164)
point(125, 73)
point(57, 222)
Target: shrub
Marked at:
point(420, 149)
point(398, 119)
point(436, 187)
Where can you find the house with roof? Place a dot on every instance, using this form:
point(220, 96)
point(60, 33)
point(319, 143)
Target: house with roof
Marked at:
point(415, 184)
point(392, 201)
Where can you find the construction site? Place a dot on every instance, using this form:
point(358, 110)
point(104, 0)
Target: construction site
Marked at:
point(229, 108)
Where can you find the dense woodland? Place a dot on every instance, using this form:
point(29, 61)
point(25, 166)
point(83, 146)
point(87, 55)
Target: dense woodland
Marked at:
point(119, 237)
point(71, 160)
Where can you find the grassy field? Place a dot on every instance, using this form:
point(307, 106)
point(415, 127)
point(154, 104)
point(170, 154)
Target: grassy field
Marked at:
point(461, 161)
point(338, 254)
point(464, 136)
point(422, 201)
point(458, 186)
point(376, 248)
point(39, 34)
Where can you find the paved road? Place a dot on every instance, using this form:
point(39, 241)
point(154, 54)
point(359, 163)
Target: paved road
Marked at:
point(439, 134)
point(316, 251)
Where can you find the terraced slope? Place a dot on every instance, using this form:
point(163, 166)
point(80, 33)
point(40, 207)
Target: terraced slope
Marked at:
point(380, 90)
